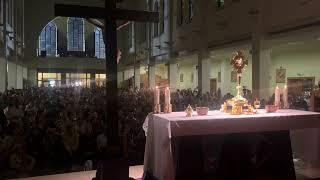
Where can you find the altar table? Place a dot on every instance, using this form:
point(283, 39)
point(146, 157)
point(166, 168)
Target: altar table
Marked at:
point(162, 130)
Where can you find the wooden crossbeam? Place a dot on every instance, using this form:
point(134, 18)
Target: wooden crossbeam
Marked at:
point(100, 13)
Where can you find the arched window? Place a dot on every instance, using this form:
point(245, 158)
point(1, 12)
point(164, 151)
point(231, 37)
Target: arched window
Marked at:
point(76, 40)
point(99, 44)
point(48, 40)
point(156, 25)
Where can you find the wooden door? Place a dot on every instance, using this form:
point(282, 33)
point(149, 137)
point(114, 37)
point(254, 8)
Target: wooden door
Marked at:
point(213, 85)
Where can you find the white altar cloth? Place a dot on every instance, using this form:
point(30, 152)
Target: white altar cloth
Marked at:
point(162, 127)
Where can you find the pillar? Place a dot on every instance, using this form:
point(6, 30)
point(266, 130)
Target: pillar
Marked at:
point(63, 79)
point(19, 78)
point(137, 76)
point(205, 75)
point(173, 71)
point(12, 75)
point(225, 77)
point(203, 71)
point(3, 71)
point(152, 75)
point(261, 56)
point(261, 71)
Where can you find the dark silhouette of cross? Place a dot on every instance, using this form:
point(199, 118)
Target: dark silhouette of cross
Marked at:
point(110, 14)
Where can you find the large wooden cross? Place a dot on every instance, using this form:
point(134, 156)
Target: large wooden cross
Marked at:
point(110, 14)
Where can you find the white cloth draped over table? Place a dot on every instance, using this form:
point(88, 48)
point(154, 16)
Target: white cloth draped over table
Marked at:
point(161, 127)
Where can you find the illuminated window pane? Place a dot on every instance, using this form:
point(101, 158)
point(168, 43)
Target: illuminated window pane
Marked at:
point(59, 76)
point(39, 83)
point(39, 76)
point(49, 75)
point(102, 76)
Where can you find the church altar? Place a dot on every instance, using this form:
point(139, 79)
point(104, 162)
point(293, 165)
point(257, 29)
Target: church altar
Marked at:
point(170, 136)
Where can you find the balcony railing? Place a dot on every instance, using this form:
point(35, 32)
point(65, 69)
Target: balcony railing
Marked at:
point(65, 53)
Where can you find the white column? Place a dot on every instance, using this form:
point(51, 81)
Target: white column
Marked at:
point(137, 76)
point(261, 55)
point(205, 75)
point(2, 75)
point(173, 71)
point(33, 77)
point(152, 76)
point(266, 89)
point(261, 69)
point(120, 78)
point(225, 77)
point(12, 75)
point(195, 76)
point(19, 81)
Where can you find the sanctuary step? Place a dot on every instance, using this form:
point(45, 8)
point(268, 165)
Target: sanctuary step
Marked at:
point(135, 172)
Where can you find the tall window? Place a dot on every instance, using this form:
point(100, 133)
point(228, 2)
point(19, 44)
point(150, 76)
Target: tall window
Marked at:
point(162, 15)
point(99, 44)
point(156, 25)
point(48, 40)
point(76, 40)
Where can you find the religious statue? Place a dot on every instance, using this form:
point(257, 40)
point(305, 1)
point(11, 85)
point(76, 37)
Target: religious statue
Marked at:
point(238, 104)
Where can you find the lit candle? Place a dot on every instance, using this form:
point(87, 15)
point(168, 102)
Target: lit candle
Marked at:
point(277, 97)
point(167, 96)
point(156, 95)
point(285, 97)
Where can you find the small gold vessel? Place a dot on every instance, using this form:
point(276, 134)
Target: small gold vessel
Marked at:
point(189, 111)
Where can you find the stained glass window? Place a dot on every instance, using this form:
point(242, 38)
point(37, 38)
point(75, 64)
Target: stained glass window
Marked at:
point(48, 40)
point(99, 44)
point(76, 40)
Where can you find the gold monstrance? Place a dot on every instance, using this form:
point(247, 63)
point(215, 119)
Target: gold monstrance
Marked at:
point(238, 104)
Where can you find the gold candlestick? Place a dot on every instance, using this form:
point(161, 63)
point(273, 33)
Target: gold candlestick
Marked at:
point(157, 109)
point(168, 108)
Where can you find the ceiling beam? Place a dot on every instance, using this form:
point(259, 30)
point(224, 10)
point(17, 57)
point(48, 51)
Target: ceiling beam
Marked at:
point(100, 13)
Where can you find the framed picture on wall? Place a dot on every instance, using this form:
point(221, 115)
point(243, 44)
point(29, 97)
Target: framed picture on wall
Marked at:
point(280, 75)
point(181, 77)
point(233, 76)
point(219, 76)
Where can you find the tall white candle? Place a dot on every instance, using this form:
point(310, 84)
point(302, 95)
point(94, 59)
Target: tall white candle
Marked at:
point(156, 95)
point(285, 97)
point(167, 96)
point(277, 97)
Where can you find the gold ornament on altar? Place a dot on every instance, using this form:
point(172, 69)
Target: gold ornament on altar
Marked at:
point(189, 111)
point(239, 62)
point(238, 105)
